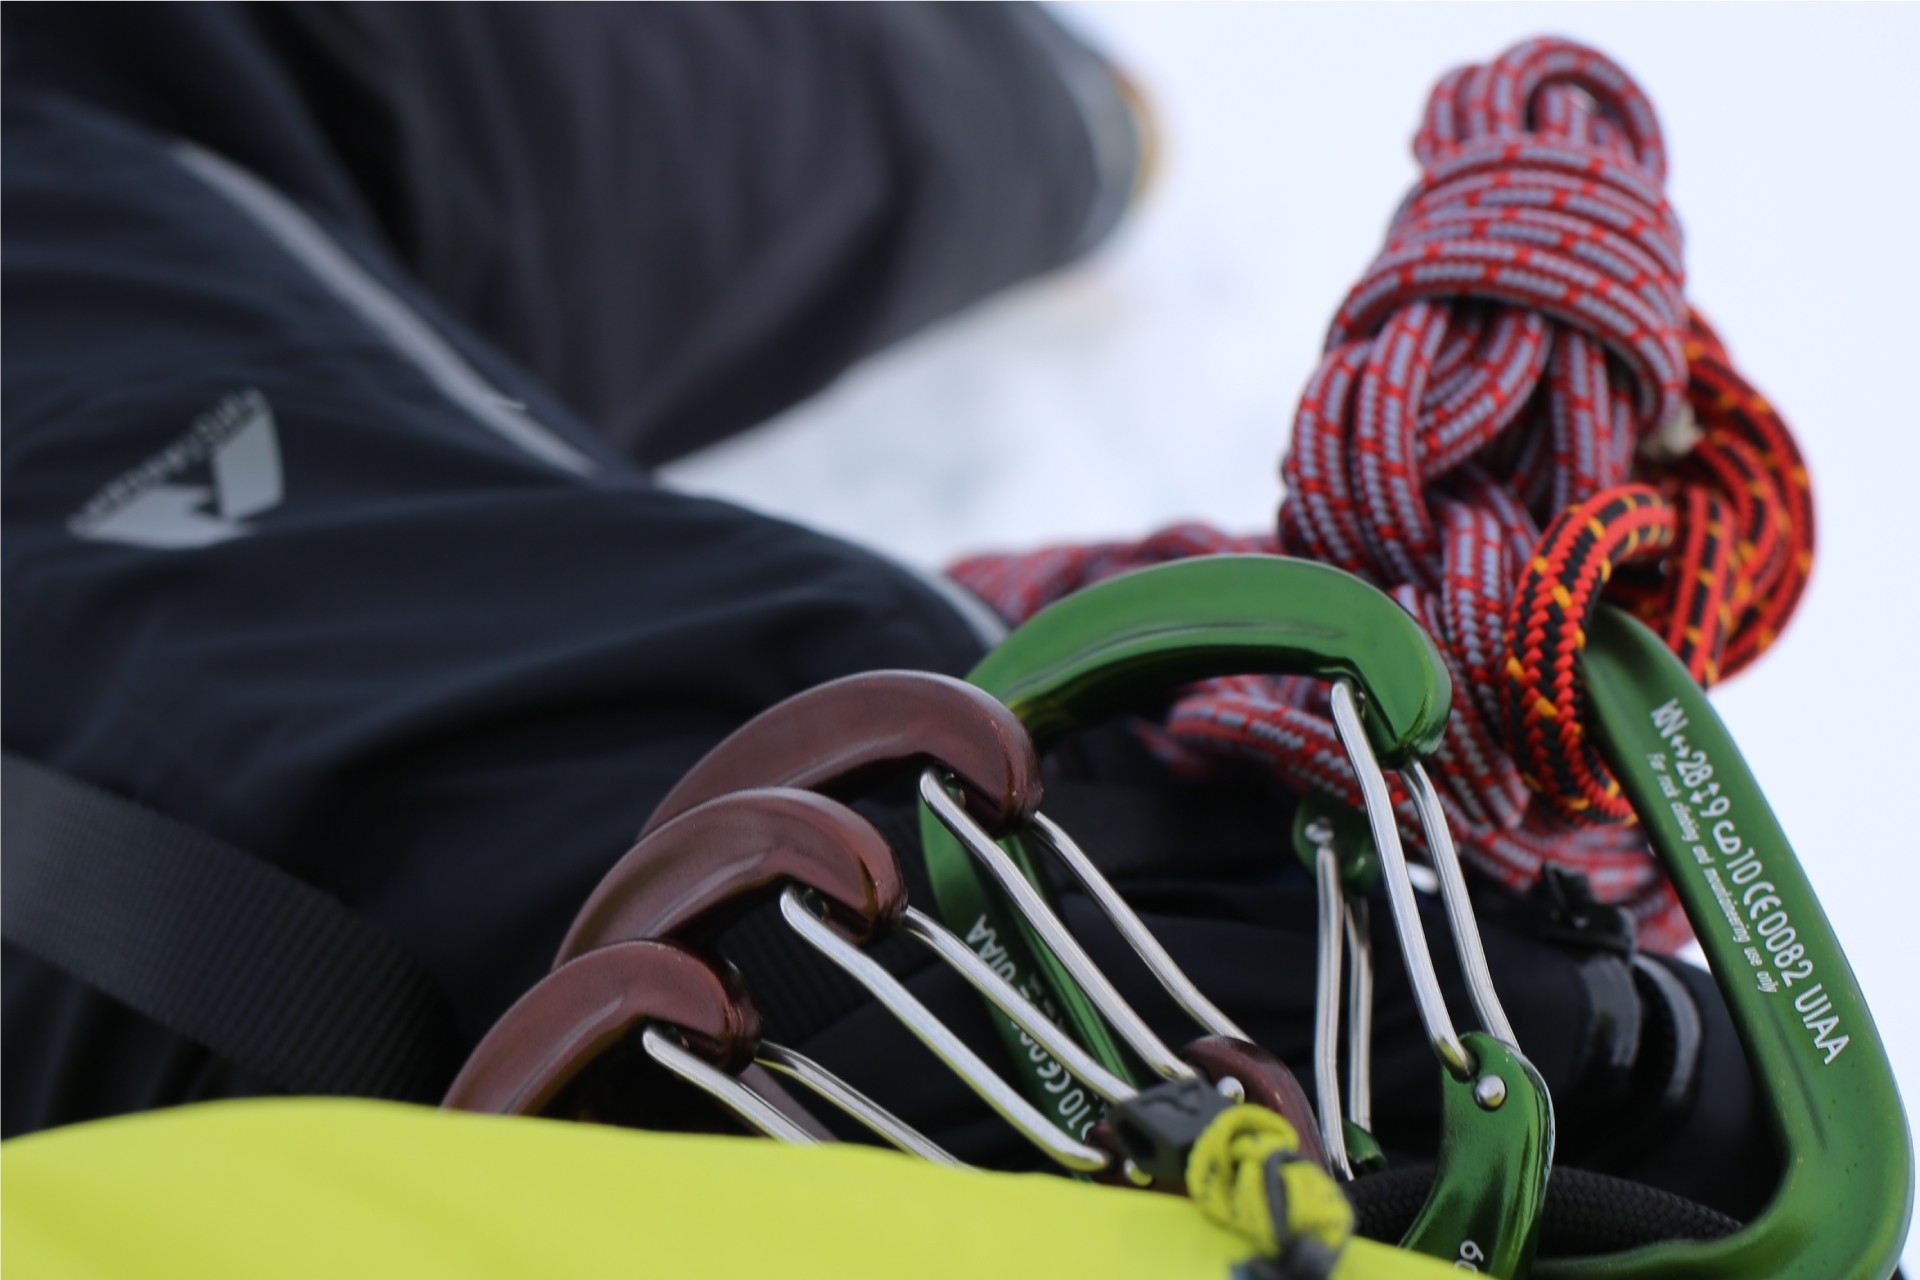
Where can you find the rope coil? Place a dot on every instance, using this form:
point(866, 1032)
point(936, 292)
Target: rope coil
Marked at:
point(1516, 412)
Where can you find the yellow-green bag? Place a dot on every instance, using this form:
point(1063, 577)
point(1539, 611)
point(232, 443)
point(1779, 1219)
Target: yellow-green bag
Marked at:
point(354, 1190)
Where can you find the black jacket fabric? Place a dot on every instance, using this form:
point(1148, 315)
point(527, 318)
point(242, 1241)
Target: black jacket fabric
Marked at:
point(328, 529)
point(443, 676)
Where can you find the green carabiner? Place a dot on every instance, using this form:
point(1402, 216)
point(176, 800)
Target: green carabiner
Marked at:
point(1496, 1131)
point(1351, 839)
point(1496, 1123)
point(1095, 653)
point(1106, 649)
point(1846, 1195)
point(1099, 651)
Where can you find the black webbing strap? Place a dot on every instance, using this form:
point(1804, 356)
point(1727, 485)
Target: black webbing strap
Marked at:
point(216, 945)
point(1584, 1214)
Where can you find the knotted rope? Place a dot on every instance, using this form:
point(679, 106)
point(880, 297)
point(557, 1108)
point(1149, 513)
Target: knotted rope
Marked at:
point(1515, 403)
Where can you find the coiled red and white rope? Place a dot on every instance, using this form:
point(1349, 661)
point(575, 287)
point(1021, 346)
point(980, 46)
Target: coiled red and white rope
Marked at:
point(1515, 402)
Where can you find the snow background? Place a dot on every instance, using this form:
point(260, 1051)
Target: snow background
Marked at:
point(1157, 381)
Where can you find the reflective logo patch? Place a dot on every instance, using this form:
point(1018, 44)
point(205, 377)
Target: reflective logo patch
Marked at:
point(232, 447)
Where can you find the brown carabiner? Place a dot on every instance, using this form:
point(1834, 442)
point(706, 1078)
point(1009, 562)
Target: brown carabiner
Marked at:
point(582, 1009)
point(696, 874)
point(847, 736)
point(1264, 1081)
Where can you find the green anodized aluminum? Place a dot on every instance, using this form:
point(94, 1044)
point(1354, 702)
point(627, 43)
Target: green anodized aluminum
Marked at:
point(1100, 651)
point(1104, 650)
point(1846, 1194)
point(1507, 1146)
point(1353, 841)
point(1363, 1150)
point(1496, 1130)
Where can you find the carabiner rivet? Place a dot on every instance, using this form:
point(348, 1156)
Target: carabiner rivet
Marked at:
point(1490, 1091)
point(1136, 1175)
point(1230, 1089)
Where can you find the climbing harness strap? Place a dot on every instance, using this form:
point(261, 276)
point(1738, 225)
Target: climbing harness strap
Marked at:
point(217, 945)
